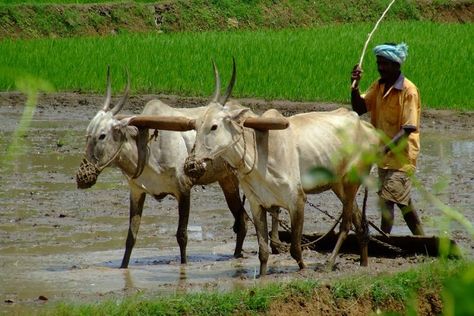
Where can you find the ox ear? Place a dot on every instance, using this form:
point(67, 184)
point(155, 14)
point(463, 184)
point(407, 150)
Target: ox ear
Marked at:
point(238, 115)
point(119, 124)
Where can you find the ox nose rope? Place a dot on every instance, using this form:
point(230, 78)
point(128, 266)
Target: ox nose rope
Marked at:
point(100, 168)
point(88, 172)
point(241, 162)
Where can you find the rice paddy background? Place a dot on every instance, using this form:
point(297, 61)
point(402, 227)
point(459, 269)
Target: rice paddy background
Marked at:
point(297, 64)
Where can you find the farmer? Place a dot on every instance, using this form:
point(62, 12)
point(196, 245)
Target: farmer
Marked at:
point(394, 105)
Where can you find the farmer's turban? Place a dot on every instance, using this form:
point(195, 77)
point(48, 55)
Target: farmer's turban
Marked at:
point(397, 53)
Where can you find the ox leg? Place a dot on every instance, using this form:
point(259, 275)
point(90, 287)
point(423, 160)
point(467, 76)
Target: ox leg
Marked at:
point(361, 225)
point(137, 199)
point(230, 187)
point(358, 220)
point(347, 198)
point(182, 232)
point(275, 243)
point(260, 221)
point(297, 219)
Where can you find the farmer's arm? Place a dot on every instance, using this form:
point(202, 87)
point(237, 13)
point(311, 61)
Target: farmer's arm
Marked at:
point(402, 134)
point(357, 102)
point(410, 119)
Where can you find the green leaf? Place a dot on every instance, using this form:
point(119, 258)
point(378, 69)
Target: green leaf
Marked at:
point(318, 176)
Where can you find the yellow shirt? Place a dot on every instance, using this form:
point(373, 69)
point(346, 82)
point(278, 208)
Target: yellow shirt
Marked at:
point(399, 107)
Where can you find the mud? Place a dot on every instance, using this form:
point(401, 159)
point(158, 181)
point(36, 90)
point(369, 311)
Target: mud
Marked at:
point(58, 243)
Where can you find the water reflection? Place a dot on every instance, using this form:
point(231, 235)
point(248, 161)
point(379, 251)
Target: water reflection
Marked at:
point(128, 280)
point(182, 273)
point(463, 149)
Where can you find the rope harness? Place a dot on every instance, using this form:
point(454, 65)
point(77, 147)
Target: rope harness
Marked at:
point(88, 171)
point(241, 162)
point(307, 243)
point(87, 174)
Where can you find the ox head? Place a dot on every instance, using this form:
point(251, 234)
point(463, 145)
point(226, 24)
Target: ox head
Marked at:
point(217, 130)
point(105, 137)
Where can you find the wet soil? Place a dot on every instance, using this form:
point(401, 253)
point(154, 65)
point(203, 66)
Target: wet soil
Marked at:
point(58, 243)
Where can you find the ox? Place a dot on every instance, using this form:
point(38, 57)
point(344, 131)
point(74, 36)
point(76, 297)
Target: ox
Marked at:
point(154, 166)
point(270, 165)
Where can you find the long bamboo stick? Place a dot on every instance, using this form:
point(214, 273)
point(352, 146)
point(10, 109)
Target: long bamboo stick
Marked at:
point(369, 37)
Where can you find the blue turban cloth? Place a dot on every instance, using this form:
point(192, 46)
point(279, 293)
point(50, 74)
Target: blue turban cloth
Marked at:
point(397, 53)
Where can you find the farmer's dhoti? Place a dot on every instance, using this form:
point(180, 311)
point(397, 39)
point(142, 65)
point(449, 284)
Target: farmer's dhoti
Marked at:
point(395, 186)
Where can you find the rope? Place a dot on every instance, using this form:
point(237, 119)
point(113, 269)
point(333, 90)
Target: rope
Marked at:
point(100, 168)
point(319, 209)
point(254, 151)
point(307, 243)
point(234, 141)
point(242, 160)
point(370, 36)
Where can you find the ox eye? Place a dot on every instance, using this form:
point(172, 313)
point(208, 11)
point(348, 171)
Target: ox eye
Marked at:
point(214, 127)
point(102, 137)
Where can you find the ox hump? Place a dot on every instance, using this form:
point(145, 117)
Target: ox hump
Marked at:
point(272, 113)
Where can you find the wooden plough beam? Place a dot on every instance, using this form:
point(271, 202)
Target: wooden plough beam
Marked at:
point(401, 245)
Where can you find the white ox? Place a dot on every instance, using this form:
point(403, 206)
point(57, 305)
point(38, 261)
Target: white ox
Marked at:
point(154, 166)
point(270, 165)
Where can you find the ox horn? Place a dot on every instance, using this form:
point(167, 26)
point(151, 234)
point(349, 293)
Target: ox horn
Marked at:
point(108, 94)
point(231, 84)
point(217, 79)
point(124, 98)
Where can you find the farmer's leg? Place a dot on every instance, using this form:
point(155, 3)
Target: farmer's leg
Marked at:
point(386, 204)
point(411, 218)
point(387, 212)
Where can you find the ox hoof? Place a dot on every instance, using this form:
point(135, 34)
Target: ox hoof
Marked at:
point(238, 255)
point(324, 267)
point(330, 267)
point(278, 249)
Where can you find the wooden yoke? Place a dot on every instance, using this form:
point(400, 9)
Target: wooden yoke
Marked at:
point(167, 123)
point(266, 123)
point(180, 123)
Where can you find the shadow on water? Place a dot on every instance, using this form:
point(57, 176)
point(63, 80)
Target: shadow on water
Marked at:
point(66, 244)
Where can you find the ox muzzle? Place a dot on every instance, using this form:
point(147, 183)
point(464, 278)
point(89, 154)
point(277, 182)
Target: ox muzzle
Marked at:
point(86, 175)
point(194, 168)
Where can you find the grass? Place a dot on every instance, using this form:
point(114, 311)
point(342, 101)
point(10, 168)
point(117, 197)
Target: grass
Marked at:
point(252, 300)
point(402, 287)
point(34, 2)
point(306, 65)
point(54, 18)
point(399, 287)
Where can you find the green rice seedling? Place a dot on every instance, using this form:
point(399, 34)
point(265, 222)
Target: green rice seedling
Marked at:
point(301, 65)
point(30, 86)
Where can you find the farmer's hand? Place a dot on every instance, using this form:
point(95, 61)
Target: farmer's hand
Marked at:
point(355, 76)
point(384, 149)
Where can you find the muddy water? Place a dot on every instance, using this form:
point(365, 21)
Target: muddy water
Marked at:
point(58, 243)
